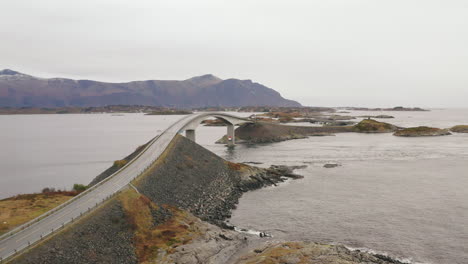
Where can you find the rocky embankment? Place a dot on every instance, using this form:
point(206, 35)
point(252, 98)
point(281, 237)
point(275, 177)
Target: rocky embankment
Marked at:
point(422, 131)
point(161, 220)
point(204, 184)
point(175, 212)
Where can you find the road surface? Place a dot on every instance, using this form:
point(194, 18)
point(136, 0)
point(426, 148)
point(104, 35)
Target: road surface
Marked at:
point(20, 239)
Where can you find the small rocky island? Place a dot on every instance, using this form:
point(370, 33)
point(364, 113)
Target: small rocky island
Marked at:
point(460, 129)
point(373, 126)
point(422, 131)
point(267, 132)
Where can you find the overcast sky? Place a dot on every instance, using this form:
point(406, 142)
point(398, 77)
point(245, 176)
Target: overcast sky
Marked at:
point(325, 52)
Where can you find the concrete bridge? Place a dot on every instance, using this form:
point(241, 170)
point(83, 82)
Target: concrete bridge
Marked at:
point(230, 120)
point(28, 234)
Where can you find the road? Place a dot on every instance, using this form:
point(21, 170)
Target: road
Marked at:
point(90, 199)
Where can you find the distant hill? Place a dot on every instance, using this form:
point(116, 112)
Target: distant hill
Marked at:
point(22, 90)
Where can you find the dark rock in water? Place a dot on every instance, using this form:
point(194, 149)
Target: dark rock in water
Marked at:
point(263, 234)
point(384, 116)
point(331, 165)
point(286, 171)
point(339, 123)
point(321, 134)
point(378, 116)
point(387, 259)
point(252, 162)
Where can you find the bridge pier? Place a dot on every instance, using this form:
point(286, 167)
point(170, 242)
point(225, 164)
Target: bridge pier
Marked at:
point(231, 135)
point(190, 134)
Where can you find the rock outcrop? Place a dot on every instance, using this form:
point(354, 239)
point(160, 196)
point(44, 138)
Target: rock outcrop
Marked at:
point(422, 131)
point(302, 252)
point(373, 126)
point(460, 129)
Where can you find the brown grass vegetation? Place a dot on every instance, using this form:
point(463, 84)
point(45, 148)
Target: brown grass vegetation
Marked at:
point(460, 129)
point(155, 239)
point(120, 163)
point(373, 126)
point(236, 166)
point(300, 253)
point(19, 209)
point(421, 131)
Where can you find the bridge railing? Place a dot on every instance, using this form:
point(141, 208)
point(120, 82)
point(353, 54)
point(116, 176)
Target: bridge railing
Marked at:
point(52, 231)
point(46, 214)
point(65, 223)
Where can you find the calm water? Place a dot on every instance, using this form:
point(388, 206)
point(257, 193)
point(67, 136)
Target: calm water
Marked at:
point(404, 196)
point(407, 197)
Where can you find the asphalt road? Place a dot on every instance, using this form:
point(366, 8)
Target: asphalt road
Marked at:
point(88, 200)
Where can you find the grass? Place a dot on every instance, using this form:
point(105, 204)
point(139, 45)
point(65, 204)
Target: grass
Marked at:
point(460, 129)
point(373, 126)
point(20, 209)
point(149, 239)
point(236, 166)
point(120, 163)
point(417, 131)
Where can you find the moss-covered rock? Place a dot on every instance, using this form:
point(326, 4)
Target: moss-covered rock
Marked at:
point(373, 126)
point(422, 131)
point(460, 129)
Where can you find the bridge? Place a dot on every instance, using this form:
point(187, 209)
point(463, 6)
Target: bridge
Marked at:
point(32, 232)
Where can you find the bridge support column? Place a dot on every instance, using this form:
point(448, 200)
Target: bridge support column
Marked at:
point(231, 135)
point(190, 134)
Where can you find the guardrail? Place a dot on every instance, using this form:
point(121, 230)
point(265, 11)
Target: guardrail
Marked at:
point(45, 235)
point(29, 223)
point(52, 211)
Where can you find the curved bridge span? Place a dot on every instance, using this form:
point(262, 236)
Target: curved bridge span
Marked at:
point(24, 236)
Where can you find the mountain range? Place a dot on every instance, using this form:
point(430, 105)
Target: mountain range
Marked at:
point(22, 90)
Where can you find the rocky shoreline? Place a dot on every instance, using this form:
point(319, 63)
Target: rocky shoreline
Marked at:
point(176, 214)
